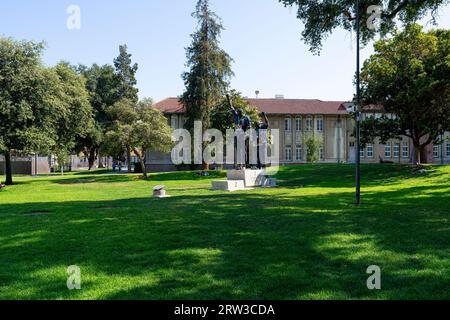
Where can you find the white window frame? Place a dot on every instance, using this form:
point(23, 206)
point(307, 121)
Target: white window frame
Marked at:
point(448, 149)
point(288, 153)
point(321, 153)
point(299, 152)
point(370, 151)
point(396, 151)
point(298, 124)
point(405, 150)
point(319, 124)
point(287, 124)
point(388, 151)
point(436, 150)
point(309, 123)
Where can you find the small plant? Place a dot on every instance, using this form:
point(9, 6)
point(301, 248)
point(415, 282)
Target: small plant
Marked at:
point(313, 145)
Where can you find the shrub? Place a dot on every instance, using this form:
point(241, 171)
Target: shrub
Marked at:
point(313, 145)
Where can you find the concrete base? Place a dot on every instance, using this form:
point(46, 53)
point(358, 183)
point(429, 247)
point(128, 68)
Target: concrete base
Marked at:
point(227, 185)
point(251, 178)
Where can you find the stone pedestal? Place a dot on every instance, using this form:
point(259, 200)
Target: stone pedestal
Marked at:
point(159, 192)
point(227, 185)
point(251, 178)
point(244, 179)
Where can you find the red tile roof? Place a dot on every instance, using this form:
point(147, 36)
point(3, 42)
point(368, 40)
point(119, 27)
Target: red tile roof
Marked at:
point(271, 106)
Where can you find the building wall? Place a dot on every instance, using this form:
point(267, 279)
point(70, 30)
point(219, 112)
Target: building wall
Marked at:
point(338, 143)
point(26, 165)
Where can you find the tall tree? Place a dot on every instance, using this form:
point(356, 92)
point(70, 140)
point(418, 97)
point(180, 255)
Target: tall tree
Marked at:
point(409, 75)
point(209, 68)
point(322, 17)
point(75, 112)
point(127, 91)
point(101, 83)
point(28, 111)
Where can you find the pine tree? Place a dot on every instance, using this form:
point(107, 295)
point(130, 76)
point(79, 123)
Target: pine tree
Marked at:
point(209, 68)
point(126, 73)
point(127, 91)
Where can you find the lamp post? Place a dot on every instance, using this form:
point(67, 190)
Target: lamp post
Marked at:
point(357, 109)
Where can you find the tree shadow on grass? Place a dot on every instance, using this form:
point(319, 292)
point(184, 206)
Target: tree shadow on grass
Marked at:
point(230, 246)
point(343, 176)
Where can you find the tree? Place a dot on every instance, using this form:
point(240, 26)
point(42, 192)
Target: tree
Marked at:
point(124, 113)
point(409, 75)
point(75, 112)
point(127, 91)
point(209, 69)
point(322, 17)
point(102, 84)
point(147, 130)
point(150, 133)
point(28, 111)
point(221, 116)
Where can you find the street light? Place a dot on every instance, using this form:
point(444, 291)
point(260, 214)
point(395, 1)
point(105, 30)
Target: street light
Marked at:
point(358, 111)
point(358, 103)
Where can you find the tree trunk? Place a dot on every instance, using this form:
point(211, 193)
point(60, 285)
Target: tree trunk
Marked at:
point(420, 154)
point(423, 154)
point(100, 163)
point(129, 159)
point(144, 169)
point(91, 159)
point(205, 166)
point(8, 169)
point(62, 169)
point(141, 157)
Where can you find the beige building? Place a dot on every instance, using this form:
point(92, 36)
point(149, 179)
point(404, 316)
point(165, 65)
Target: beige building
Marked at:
point(329, 121)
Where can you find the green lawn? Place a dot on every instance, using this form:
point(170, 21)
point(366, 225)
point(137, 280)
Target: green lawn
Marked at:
point(303, 240)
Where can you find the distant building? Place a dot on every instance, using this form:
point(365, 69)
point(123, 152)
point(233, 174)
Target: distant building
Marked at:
point(27, 165)
point(295, 118)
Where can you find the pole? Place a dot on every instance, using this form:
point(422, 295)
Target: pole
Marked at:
point(358, 111)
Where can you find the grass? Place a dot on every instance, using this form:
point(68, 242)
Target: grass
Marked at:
point(303, 240)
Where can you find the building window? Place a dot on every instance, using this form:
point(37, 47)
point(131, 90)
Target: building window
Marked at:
point(288, 153)
point(299, 153)
point(436, 152)
point(362, 152)
point(387, 151)
point(396, 151)
point(448, 149)
point(309, 124)
point(405, 150)
point(370, 151)
point(321, 153)
point(298, 124)
point(288, 124)
point(320, 124)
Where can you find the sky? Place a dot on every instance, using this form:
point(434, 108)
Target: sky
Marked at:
point(262, 36)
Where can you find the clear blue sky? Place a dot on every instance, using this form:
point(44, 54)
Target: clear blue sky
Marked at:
point(262, 36)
